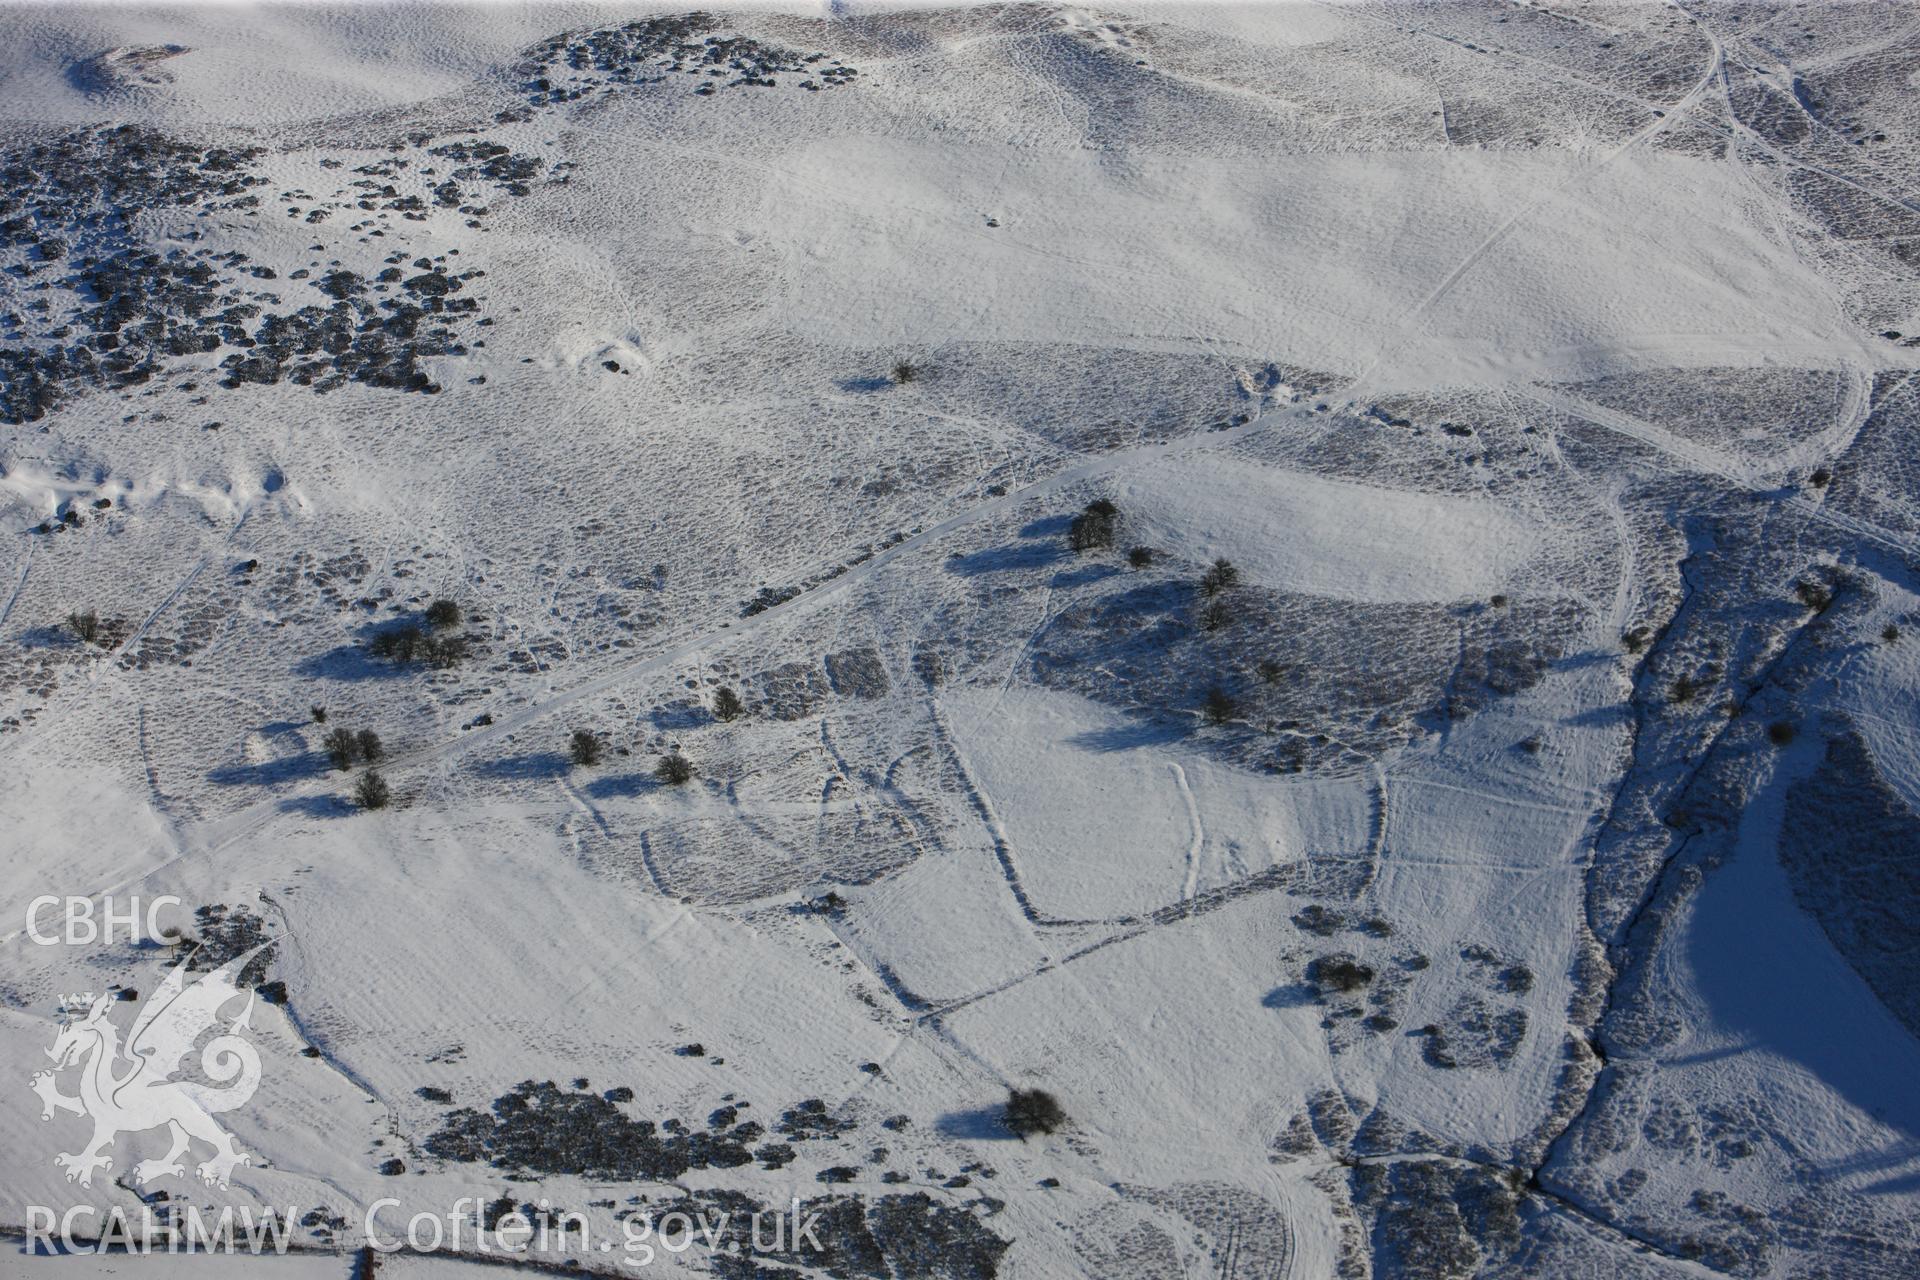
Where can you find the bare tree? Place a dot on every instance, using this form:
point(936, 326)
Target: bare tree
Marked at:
point(445, 651)
point(343, 747)
point(402, 644)
point(372, 792)
point(1220, 576)
point(1031, 1111)
point(1093, 528)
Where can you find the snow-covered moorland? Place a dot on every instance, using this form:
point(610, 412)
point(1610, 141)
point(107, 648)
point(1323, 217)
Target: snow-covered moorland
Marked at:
point(691, 604)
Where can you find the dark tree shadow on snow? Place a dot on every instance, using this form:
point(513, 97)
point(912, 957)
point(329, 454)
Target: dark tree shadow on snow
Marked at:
point(266, 773)
point(622, 786)
point(49, 636)
point(1601, 717)
point(1082, 575)
point(1130, 736)
point(1032, 555)
point(320, 806)
point(1291, 996)
point(1586, 658)
point(682, 715)
point(535, 764)
point(981, 1124)
point(348, 662)
point(1047, 527)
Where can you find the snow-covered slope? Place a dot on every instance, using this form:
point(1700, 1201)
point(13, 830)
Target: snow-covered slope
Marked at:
point(1332, 585)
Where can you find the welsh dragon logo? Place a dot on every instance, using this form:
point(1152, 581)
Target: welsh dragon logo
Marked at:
point(129, 1088)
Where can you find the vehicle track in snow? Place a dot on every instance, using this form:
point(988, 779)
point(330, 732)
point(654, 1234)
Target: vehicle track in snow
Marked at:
point(1198, 840)
point(1359, 389)
point(1708, 462)
point(19, 585)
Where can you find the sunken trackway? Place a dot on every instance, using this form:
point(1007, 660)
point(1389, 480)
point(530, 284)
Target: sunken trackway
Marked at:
point(211, 837)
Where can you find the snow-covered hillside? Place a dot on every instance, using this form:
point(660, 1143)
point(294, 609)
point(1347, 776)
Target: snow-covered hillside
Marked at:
point(1335, 586)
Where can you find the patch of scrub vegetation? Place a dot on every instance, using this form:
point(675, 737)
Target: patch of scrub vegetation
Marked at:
point(1360, 993)
point(1474, 1033)
point(538, 1127)
point(1482, 1030)
point(1291, 682)
point(220, 933)
point(542, 1128)
point(903, 1236)
point(116, 314)
point(652, 51)
point(1439, 1220)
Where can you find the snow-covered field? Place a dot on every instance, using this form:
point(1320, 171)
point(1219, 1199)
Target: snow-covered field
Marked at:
point(1332, 585)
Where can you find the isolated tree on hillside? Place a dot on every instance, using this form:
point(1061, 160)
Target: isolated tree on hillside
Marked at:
point(1817, 596)
point(342, 746)
point(1220, 706)
point(445, 651)
point(1031, 1111)
point(726, 704)
point(85, 625)
point(370, 746)
point(584, 747)
point(418, 644)
point(437, 647)
point(372, 792)
point(673, 769)
point(1087, 533)
point(402, 644)
point(1094, 527)
point(1339, 972)
point(1220, 576)
point(442, 614)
